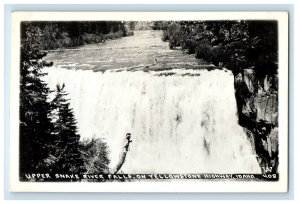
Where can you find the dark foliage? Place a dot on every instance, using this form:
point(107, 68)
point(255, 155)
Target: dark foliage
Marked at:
point(49, 142)
point(235, 45)
point(35, 124)
point(66, 151)
point(75, 33)
point(95, 154)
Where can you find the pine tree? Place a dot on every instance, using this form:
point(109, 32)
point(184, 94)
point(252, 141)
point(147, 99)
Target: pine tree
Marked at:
point(35, 125)
point(69, 158)
point(95, 154)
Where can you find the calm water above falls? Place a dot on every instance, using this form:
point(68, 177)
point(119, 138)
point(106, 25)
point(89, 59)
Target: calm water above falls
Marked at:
point(182, 118)
point(143, 50)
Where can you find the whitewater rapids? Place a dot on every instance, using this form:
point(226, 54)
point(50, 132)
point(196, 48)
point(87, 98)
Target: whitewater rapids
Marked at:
point(181, 120)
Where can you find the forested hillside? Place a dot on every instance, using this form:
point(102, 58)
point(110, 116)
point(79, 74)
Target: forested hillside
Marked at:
point(69, 34)
point(235, 45)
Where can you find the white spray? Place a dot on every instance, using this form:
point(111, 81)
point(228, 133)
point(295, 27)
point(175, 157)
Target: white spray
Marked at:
point(181, 121)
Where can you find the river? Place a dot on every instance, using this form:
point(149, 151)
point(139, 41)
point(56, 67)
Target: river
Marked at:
point(182, 117)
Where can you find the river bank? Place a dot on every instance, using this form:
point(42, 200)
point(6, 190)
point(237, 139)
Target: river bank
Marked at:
point(61, 35)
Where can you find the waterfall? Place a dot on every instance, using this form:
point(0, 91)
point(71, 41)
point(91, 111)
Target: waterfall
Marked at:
point(181, 120)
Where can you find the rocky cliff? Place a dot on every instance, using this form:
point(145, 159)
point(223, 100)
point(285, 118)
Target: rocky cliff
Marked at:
point(257, 102)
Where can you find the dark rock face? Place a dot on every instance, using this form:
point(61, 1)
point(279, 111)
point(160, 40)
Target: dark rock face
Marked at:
point(257, 102)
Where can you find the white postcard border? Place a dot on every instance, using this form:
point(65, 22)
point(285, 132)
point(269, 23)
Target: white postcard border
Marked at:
point(146, 186)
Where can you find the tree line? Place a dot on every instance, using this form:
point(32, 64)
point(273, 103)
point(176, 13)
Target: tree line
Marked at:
point(61, 34)
point(49, 141)
point(235, 45)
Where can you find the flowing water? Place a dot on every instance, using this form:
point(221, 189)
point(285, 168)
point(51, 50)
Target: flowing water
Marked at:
point(181, 116)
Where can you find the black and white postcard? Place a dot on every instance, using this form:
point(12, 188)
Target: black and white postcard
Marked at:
point(149, 102)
